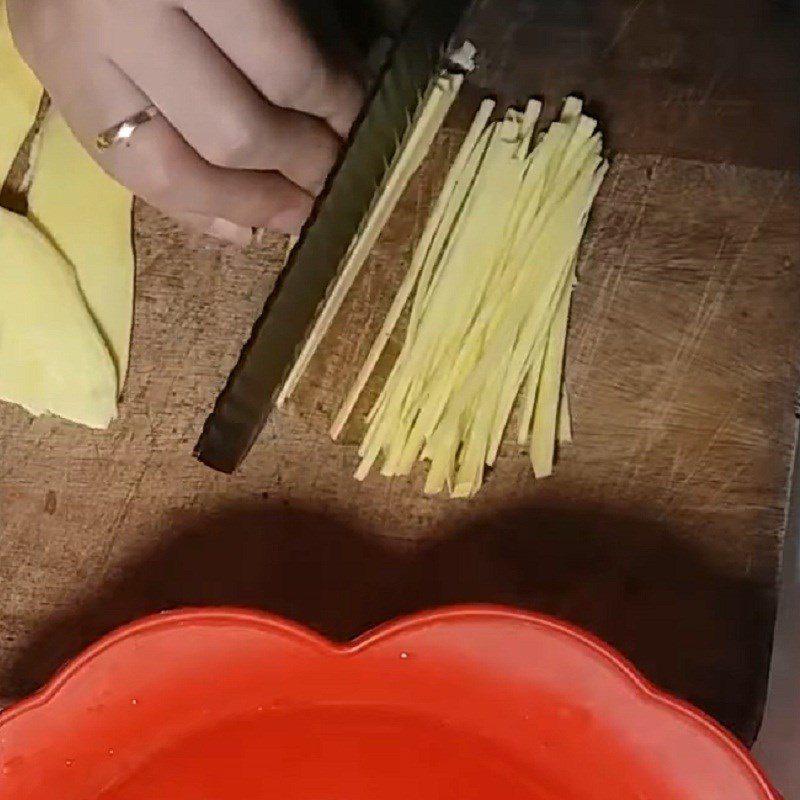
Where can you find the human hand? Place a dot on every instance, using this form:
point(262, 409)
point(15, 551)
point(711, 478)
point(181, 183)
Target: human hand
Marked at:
point(251, 113)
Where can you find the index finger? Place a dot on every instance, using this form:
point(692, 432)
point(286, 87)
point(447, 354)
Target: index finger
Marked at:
point(268, 42)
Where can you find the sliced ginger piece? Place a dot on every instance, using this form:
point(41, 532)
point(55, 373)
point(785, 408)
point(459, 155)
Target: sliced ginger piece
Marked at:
point(548, 397)
point(417, 363)
point(427, 251)
point(564, 418)
point(529, 396)
point(20, 95)
point(52, 356)
point(66, 286)
point(88, 217)
point(452, 304)
point(464, 283)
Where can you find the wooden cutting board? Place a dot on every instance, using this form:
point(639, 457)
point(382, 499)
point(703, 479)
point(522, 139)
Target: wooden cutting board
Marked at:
point(661, 529)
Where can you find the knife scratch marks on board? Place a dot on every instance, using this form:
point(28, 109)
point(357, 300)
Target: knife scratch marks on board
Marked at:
point(705, 315)
point(763, 218)
point(694, 333)
point(675, 467)
point(605, 207)
point(711, 504)
point(675, 375)
point(720, 427)
point(679, 370)
point(606, 299)
point(594, 311)
point(626, 19)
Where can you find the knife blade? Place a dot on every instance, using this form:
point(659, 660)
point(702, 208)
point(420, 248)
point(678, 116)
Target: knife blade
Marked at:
point(243, 406)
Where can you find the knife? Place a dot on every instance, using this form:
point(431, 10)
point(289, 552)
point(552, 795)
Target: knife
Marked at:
point(243, 406)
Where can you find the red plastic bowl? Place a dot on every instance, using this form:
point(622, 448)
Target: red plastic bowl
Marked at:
point(458, 704)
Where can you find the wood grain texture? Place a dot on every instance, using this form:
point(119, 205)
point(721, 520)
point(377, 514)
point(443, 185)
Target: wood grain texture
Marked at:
point(717, 80)
point(661, 529)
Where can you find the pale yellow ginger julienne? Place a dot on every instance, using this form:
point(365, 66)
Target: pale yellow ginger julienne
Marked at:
point(492, 279)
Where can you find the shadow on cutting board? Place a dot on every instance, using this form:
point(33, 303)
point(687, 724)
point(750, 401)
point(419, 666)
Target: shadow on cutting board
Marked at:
point(633, 583)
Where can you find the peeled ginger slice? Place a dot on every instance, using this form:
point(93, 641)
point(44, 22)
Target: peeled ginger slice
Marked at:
point(20, 94)
point(52, 356)
point(88, 217)
point(66, 273)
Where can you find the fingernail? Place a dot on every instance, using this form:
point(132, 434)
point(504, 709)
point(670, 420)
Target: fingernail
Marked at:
point(225, 229)
point(290, 220)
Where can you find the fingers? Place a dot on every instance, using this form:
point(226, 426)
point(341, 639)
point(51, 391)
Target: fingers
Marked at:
point(216, 109)
point(247, 127)
point(276, 53)
point(163, 169)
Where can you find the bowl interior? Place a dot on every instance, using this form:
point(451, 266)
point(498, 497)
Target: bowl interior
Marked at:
point(461, 704)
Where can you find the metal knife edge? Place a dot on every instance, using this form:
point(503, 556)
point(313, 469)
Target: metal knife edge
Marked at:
point(246, 401)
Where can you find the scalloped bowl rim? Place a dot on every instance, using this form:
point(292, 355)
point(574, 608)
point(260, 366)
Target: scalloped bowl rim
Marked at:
point(585, 641)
